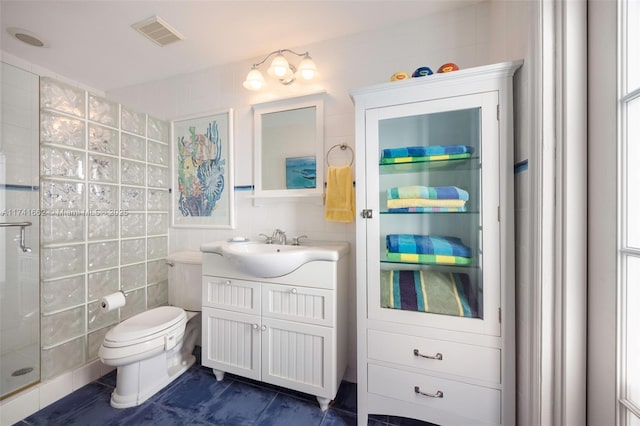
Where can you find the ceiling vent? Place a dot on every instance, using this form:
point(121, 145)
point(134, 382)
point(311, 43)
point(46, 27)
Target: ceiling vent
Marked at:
point(158, 31)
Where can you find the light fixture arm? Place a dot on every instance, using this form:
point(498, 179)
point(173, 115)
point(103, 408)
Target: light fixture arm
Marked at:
point(275, 52)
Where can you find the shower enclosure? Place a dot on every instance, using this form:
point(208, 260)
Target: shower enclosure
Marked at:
point(19, 231)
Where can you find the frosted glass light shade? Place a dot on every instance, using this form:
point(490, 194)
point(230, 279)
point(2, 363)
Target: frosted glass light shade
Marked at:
point(307, 68)
point(279, 66)
point(281, 69)
point(254, 80)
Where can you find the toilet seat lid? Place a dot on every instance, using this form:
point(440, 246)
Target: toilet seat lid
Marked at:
point(146, 324)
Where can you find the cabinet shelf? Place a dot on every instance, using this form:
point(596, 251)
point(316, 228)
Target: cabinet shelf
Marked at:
point(471, 163)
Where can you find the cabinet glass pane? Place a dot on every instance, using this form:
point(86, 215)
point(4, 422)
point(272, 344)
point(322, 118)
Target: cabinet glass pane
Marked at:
point(430, 221)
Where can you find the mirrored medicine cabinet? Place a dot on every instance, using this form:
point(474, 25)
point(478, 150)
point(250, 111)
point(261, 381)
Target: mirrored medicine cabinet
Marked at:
point(289, 147)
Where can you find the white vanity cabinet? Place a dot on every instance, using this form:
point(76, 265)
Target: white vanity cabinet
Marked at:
point(435, 248)
point(290, 331)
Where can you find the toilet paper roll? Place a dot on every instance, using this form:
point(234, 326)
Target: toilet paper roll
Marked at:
point(112, 301)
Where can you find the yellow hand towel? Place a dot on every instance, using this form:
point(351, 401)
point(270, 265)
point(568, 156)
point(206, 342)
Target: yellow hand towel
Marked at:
point(340, 196)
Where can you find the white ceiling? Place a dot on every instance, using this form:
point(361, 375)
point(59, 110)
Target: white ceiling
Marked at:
point(92, 41)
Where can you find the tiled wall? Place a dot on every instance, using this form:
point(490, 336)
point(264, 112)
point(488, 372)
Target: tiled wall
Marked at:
point(104, 179)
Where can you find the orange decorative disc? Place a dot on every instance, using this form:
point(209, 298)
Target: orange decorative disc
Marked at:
point(448, 67)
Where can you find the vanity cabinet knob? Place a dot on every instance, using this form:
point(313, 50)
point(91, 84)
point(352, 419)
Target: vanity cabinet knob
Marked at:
point(294, 290)
point(255, 326)
point(228, 282)
point(263, 328)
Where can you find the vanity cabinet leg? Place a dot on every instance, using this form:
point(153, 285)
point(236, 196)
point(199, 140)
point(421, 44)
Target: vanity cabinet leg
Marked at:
point(324, 402)
point(219, 374)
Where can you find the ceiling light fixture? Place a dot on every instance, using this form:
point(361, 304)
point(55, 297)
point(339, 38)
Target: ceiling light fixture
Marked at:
point(26, 37)
point(281, 69)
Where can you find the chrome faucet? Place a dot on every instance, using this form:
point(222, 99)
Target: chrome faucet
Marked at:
point(267, 239)
point(296, 240)
point(279, 237)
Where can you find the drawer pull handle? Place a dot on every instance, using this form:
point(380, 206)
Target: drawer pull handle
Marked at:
point(437, 356)
point(438, 394)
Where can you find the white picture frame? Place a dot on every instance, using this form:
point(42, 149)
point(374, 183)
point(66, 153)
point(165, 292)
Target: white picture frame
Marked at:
point(202, 165)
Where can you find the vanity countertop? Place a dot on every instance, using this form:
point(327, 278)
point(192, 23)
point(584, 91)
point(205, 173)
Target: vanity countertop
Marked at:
point(340, 247)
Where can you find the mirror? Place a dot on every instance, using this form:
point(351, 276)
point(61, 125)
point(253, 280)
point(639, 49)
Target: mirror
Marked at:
point(289, 145)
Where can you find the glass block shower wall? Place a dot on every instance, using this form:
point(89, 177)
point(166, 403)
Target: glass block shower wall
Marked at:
point(104, 179)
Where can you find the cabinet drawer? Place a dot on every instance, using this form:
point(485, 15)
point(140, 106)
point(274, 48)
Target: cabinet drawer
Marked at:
point(302, 304)
point(479, 404)
point(231, 294)
point(476, 362)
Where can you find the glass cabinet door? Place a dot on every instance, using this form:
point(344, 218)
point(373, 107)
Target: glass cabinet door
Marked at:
point(435, 236)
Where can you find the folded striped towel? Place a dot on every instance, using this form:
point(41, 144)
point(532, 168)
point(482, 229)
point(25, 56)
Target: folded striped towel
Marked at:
point(423, 202)
point(427, 209)
point(399, 160)
point(424, 151)
point(427, 244)
point(429, 192)
point(439, 259)
point(428, 291)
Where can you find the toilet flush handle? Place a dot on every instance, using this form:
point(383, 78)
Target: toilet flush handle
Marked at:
point(170, 341)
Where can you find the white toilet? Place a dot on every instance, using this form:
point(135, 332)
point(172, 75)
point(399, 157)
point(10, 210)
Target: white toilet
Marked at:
point(153, 348)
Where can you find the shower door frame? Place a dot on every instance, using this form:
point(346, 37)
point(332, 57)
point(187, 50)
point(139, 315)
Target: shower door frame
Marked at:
point(19, 231)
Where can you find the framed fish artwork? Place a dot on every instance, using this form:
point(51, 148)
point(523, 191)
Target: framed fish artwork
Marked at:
point(202, 191)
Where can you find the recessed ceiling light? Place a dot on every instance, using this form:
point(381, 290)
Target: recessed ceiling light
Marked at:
point(26, 37)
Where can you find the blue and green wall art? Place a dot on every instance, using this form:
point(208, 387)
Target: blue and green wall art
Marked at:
point(200, 171)
point(301, 172)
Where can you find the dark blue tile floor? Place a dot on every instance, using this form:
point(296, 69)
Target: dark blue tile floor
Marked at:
point(196, 398)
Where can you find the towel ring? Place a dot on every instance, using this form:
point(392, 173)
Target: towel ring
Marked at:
point(342, 147)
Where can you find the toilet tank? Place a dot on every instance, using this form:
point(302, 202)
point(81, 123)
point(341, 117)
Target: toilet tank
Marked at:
point(185, 280)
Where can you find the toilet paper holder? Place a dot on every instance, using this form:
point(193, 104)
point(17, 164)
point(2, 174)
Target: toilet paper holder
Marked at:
point(103, 304)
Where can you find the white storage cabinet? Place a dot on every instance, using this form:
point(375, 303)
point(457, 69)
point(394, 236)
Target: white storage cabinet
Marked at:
point(435, 290)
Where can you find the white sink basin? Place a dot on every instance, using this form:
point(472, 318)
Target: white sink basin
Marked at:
point(273, 260)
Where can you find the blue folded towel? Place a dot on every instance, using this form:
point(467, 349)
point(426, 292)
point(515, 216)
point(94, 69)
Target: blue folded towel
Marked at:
point(423, 151)
point(428, 192)
point(427, 244)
